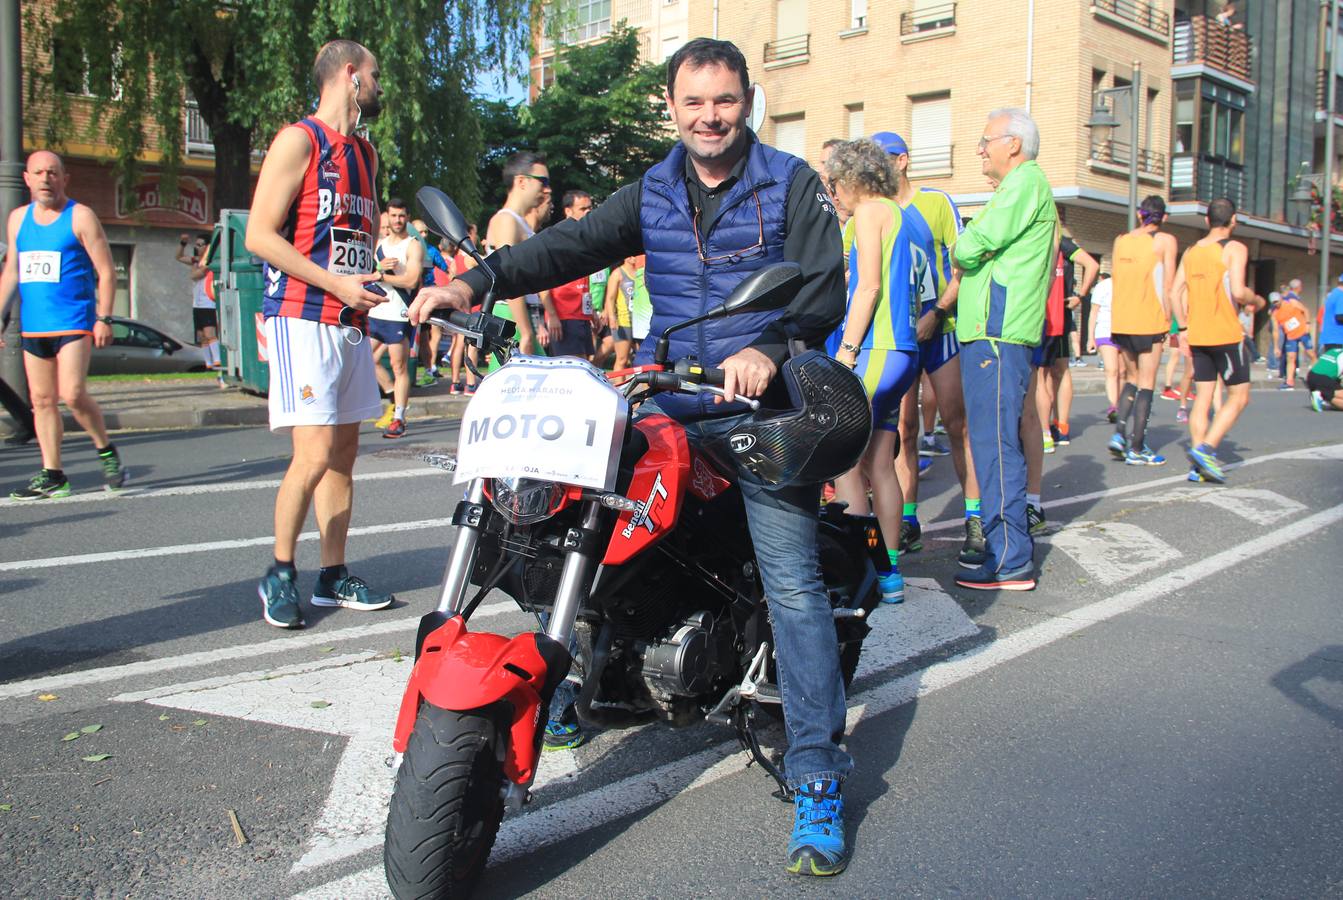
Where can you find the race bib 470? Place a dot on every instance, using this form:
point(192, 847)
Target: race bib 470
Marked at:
point(40, 266)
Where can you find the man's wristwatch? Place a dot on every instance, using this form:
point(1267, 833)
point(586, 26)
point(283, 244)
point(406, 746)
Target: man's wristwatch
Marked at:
point(106, 320)
point(941, 313)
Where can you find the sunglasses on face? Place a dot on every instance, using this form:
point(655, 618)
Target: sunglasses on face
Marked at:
point(545, 181)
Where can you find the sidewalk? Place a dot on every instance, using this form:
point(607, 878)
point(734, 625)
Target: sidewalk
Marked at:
point(197, 403)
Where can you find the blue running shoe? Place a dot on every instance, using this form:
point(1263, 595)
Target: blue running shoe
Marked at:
point(925, 463)
point(1205, 460)
point(1144, 457)
point(817, 846)
point(279, 599)
point(892, 586)
point(1118, 446)
point(1317, 401)
point(1196, 476)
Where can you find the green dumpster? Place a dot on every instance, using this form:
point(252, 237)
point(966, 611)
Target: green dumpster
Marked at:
point(239, 291)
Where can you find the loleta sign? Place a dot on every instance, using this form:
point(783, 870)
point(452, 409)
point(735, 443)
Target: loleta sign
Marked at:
point(193, 199)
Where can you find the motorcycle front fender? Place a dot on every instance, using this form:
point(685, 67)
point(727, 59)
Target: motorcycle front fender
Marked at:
point(461, 670)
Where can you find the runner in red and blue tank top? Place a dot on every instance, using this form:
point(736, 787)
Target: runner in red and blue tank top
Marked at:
point(332, 221)
point(313, 221)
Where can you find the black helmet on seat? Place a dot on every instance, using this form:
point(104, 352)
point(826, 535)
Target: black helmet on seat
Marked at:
point(821, 437)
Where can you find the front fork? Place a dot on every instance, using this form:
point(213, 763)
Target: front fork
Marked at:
point(581, 553)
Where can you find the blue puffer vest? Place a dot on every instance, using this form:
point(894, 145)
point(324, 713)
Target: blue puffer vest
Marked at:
point(681, 286)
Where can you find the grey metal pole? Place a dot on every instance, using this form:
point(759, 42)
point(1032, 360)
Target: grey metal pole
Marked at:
point(1135, 117)
point(12, 191)
point(1327, 224)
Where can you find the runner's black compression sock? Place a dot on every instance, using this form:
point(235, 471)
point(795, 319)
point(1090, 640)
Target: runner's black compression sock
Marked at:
point(56, 475)
point(331, 574)
point(1142, 409)
point(110, 448)
point(1126, 398)
point(286, 568)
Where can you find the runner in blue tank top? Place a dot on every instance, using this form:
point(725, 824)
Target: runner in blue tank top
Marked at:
point(62, 268)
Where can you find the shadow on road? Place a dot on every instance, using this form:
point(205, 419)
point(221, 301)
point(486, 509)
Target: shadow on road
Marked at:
point(1325, 664)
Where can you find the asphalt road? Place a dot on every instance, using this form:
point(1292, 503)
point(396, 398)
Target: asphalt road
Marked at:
point(1161, 717)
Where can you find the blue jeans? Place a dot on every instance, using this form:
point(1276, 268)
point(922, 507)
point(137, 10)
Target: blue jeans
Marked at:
point(783, 523)
point(994, 378)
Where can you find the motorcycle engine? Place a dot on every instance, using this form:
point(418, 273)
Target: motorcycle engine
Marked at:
point(685, 661)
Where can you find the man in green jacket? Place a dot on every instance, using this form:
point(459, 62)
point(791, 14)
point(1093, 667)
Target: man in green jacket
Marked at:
point(1006, 255)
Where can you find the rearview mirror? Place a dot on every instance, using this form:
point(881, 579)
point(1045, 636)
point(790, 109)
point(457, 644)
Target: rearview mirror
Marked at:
point(444, 217)
point(772, 287)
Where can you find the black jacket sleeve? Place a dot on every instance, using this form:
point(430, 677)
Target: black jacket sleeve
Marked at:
point(812, 241)
point(566, 250)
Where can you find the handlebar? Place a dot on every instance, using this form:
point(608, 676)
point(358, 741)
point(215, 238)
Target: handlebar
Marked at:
point(485, 331)
point(689, 377)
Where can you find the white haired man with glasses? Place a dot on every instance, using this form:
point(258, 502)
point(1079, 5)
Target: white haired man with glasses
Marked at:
point(1006, 255)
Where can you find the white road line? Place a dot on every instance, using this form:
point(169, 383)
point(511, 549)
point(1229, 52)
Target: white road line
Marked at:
point(1252, 504)
point(556, 822)
point(1112, 552)
point(242, 651)
point(83, 559)
point(286, 645)
point(190, 490)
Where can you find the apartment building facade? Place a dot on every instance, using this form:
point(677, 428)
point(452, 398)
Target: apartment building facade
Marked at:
point(663, 27)
point(1224, 108)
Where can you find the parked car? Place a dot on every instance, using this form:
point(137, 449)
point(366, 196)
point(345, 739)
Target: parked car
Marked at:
point(138, 348)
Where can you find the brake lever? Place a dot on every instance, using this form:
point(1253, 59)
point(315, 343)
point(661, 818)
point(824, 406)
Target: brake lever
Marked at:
point(473, 336)
point(695, 388)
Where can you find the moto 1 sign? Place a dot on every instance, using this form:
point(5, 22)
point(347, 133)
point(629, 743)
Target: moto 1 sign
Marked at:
point(547, 419)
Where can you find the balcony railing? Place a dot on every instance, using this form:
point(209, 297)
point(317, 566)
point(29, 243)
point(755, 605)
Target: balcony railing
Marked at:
point(796, 47)
point(1322, 93)
point(1117, 153)
point(1146, 15)
point(199, 140)
point(1204, 41)
point(1203, 180)
point(931, 17)
point(926, 161)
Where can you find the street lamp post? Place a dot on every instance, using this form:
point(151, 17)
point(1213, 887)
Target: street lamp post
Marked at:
point(12, 193)
point(1103, 122)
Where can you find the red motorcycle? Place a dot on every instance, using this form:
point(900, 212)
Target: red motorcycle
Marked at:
point(630, 542)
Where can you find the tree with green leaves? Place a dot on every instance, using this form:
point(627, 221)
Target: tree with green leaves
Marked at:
point(247, 65)
point(601, 124)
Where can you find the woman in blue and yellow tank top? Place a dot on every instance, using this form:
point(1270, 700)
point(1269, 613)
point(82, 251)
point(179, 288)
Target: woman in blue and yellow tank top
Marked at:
point(878, 338)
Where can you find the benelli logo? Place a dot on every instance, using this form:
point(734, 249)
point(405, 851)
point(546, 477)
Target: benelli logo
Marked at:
point(644, 516)
point(742, 442)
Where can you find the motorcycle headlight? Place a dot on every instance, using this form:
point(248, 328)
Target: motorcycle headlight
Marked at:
point(523, 501)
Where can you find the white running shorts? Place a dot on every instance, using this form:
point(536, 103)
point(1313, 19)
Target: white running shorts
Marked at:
point(317, 377)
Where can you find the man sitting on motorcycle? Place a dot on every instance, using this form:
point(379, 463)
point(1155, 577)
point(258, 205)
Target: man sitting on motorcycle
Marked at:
point(719, 207)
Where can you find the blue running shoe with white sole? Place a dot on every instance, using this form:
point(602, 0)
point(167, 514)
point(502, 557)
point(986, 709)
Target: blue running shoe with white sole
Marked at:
point(1205, 460)
point(562, 736)
point(817, 846)
point(1317, 401)
point(892, 586)
point(279, 599)
point(1144, 457)
point(1195, 476)
point(350, 592)
point(1118, 446)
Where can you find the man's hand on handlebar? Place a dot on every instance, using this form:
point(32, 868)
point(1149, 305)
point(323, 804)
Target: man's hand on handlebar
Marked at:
point(747, 372)
point(453, 295)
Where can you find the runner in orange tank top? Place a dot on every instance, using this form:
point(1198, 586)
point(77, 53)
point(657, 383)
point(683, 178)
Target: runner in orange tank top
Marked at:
point(1209, 285)
point(1143, 270)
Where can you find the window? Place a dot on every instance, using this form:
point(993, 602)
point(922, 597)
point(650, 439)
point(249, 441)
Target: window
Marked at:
point(1149, 117)
point(856, 129)
point(790, 19)
point(1221, 123)
point(670, 45)
point(857, 14)
point(790, 135)
point(122, 254)
point(543, 73)
point(74, 71)
point(1184, 117)
point(929, 136)
point(579, 20)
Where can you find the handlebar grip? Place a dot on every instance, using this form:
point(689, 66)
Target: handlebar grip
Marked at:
point(690, 369)
point(665, 381)
point(713, 376)
point(460, 319)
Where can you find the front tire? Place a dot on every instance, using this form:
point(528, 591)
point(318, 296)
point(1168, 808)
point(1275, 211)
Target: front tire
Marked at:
point(446, 805)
